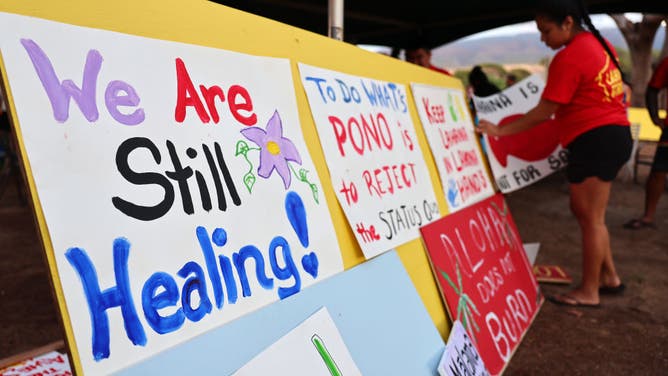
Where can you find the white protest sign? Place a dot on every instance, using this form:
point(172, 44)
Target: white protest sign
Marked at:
point(161, 169)
point(52, 363)
point(460, 356)
point(453, 142)
point(377, 167)
point(314, 348)
point(523, 158)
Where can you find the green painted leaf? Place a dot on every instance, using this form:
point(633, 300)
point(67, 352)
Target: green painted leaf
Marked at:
point(314, 189)
point(242, 148)
point(302, 174)
point(249, 181)
point(447, 278)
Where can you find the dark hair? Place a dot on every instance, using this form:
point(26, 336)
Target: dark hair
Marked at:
point(481, 84)
point(416, 44)
point(477, 76)
point(558, 10)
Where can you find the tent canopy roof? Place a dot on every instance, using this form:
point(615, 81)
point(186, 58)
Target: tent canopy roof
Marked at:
point(399, 23)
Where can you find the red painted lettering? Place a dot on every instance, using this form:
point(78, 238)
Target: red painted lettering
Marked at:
point(246, 105)
point(387, 179)
point(364, 134)
point(339, 133)
point(354, 125)
point(210, 95)
point(472, 184)
point(435, 114)
point(187, 95)
point(238, 100)
point(452, 137)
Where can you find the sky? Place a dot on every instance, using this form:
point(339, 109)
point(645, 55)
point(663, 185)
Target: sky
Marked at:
point(599, 20)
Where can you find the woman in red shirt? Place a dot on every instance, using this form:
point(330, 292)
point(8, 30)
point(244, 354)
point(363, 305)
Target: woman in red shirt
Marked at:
point(584, 92)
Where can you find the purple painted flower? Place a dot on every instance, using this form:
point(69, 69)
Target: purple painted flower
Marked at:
point(275, 150)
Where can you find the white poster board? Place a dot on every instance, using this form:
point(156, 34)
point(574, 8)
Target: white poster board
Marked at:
point(52, 363)
point(460, 356)
point(376, 165)
point(161, 169)
point(521, 159)
point(447, 123)
point(314, 348)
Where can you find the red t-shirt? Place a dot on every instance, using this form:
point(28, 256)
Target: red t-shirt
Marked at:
point(585, 82)
point(659, 79)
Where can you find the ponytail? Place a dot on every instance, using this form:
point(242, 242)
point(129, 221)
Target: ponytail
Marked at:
point(558, 10)
point(597, 34)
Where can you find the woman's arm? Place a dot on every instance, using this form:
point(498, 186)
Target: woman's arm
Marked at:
point(652, 104)
point(543, 110)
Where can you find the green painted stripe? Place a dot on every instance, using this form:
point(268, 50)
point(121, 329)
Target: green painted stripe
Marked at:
point(326, 356)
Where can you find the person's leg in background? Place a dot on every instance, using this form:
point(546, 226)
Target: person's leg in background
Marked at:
point(656, 184)
point(654, 187)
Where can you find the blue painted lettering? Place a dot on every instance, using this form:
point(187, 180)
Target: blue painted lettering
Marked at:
point(240, 258)
point(196, 283)
point(151, 303)
point(161, 291)
point(99, 302)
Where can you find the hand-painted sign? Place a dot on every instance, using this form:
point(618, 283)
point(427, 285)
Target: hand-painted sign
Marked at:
point(315, 347)
point(174, 181)
point(377, 167)
point(485, 277)
point(551, 274)
point(460, 356)
point(523, 158)
point(453, 142)
point(52, 363)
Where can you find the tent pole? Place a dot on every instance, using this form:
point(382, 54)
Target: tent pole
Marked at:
point(335, 16)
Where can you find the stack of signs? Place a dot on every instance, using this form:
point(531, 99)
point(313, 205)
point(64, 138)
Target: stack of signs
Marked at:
point(485, 278)
point(460, 356)
point(454, 144)
point(523, 158)
point(174, 180)
point(377, 167)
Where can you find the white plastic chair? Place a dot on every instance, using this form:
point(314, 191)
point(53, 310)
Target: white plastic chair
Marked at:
point(630, 169)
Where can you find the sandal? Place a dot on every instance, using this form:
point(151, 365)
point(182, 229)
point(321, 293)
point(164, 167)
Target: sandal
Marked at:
point(570, 301)
point(612, 290)
point(636, 224)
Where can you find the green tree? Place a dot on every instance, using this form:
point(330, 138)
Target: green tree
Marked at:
point(519, 73)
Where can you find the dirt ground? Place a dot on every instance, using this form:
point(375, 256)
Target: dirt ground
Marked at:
point(627, 336)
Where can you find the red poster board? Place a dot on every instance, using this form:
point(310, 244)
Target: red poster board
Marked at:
point(485, 277)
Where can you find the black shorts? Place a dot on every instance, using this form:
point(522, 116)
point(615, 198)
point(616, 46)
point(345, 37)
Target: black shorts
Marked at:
point(660, 163)
point(600, 152)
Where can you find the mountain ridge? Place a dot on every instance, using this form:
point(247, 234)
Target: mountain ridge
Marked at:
point(513, 49)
